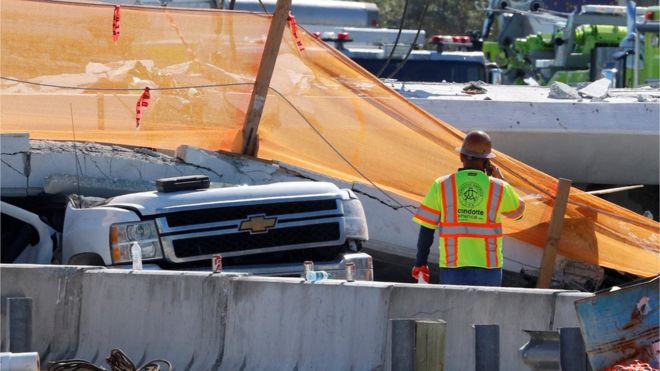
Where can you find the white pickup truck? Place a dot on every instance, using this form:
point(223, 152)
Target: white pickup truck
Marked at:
point(264, 229)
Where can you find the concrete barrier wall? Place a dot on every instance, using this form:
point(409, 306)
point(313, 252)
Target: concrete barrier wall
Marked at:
point(154, 315)
point(290, 325)
point(56, 294)
point(200, 321)
point(512, 308)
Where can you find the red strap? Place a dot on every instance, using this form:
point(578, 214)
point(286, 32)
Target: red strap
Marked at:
point(141, 105)
point(116, 23)
point(294, 30)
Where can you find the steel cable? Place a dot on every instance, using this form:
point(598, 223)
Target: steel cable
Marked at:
point(412, 45)
point(118, 361)
point(293, 106)
point(396, 41)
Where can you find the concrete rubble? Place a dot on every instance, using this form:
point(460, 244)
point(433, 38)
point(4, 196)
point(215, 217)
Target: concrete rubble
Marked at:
point(559, 90)
point(597, 89)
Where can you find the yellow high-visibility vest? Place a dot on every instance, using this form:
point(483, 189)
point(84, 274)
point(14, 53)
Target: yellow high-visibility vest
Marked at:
point(465, 207)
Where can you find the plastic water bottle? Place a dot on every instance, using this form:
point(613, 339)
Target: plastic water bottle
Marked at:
point(315, 276)
point(136, 255)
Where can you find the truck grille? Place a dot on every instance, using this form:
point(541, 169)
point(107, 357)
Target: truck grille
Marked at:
point(234, 242)
point(203, 216)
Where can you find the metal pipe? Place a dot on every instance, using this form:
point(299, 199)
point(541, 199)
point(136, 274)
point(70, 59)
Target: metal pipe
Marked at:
point(614, 190)
point(403, 344)
point(572, 352)
point(636, 68)
point(541, 352)
point(487, 347)
point(19, 336)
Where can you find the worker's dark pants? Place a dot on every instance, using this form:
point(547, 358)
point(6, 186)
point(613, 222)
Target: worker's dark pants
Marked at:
point(471, 276)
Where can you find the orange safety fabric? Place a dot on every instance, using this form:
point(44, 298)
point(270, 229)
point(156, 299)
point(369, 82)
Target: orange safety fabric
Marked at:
point(323, 112)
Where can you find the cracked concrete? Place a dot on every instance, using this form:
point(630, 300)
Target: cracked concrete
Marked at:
point(104, 171)
point(24, 171)
point(40, 166)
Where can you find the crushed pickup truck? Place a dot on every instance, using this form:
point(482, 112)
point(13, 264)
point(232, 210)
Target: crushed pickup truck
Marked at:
point(264, 229)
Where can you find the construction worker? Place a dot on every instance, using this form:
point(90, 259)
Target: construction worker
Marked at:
point(466, 207)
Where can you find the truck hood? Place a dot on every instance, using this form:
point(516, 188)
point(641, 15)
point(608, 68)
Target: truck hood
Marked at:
point(152, 203)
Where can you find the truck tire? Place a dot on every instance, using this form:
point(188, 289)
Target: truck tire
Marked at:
point(86, 259)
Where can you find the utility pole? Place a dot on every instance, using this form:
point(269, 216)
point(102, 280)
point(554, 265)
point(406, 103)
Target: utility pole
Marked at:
point(260, 91)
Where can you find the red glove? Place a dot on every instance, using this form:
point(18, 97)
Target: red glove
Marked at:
point(423, 270)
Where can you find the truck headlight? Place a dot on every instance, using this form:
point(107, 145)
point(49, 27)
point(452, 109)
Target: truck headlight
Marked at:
point(122, 236)
point(356, 221)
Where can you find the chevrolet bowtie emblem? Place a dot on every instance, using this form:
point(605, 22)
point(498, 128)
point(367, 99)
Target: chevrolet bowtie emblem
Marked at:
point(257, 224)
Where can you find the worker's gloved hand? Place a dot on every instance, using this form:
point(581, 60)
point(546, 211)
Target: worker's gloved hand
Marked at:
point(423, 270)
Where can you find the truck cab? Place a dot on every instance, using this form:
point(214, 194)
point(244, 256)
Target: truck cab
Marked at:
point(263, 229)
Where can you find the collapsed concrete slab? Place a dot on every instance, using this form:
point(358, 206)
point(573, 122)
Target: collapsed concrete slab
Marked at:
point(564, 135)
point(99, 170)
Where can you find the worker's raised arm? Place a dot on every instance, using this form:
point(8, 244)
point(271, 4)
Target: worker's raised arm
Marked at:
point(512, 205)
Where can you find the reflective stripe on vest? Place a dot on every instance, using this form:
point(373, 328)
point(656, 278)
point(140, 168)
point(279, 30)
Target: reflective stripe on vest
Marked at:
point(428, 215)
point(494, 202)
point(451, 229)
point(491, 252)
point(448, 191)
point(451, 251)
point(494, 199)
point(517, 212)
point(471, 230)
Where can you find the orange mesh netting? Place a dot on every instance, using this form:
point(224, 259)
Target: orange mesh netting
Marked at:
point(323, 112)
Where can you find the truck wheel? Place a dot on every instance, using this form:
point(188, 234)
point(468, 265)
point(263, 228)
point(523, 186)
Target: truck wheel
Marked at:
point(86, 259)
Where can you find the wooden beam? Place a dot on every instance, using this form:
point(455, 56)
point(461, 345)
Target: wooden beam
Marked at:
point(418, 345)
point(614, 190)
point(430, 345)
point(554, 234)
point(261, 84)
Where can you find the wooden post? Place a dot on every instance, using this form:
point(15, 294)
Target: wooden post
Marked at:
point(100, 104)
point(418, 344)
point(260, 91)
point(430, 346)
point(554, 234)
